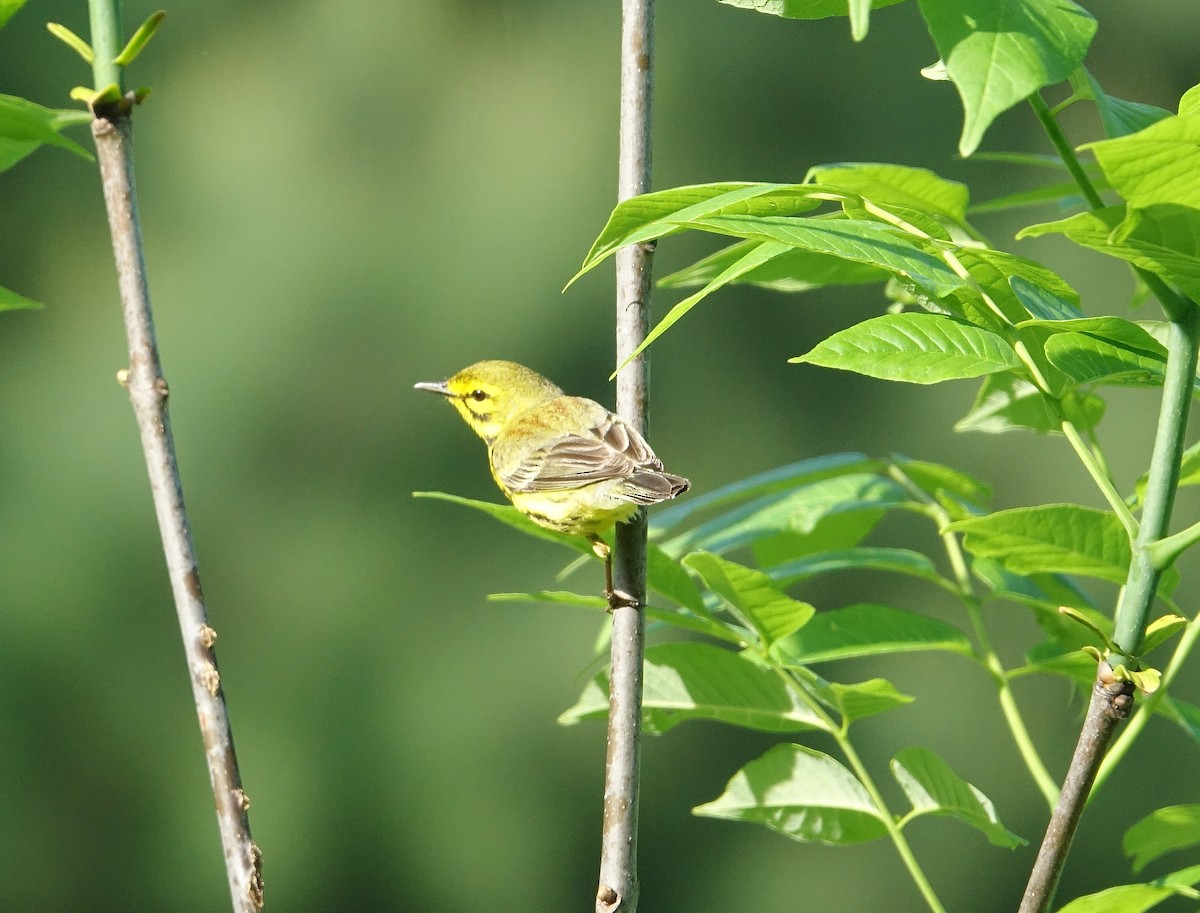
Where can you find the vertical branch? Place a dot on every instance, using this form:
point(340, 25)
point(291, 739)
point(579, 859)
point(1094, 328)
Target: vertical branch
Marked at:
point(1110, 704)
point(147, 388)
point(618, 889)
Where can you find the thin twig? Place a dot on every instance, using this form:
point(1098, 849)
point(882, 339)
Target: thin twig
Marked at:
point(148, 394)
point(618, 888)
point(1111, 703)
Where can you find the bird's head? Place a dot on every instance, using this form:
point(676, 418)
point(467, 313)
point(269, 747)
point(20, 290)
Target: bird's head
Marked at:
point(489, 394)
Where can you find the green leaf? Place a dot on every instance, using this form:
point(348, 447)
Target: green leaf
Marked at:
point(1159, 631)
point(1160, 832)
point(1088, 359)
point(1119, 117)
point(833, 532)
point(934, 479)
point(933, 788)
point(1006, 402)
point(8, 8)
point(24, 126)
point(997, 52)
point(694, 681)
point(1076, 665)
point(1136, 898)
point(916, 348)
point(73, 41)
point(1062, 194)
point(855, 701)
point(1183, 714)
point(510, 516)
point(140, 39)
point(665, 212)
point(1053, 538)
point(799, 510)
point(1043, 302)
point(856, 240)
point(791, 271)
point(869, 630)
point(664, 575)
point(809, 9)
point(1160, 164)
point(793, 475)
point(892, 560)
point(756, 256)
point(803, 794)
point(11, 301)
point(897, 185)
point(1189, 473)
point(752, 596)
point(1163, 239)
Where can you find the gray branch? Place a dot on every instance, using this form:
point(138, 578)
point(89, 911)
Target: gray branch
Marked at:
point(148, 394)
point(1111, 702)
point(618, 890)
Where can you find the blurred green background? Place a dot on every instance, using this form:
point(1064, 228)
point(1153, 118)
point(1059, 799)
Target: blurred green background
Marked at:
point(342, 199)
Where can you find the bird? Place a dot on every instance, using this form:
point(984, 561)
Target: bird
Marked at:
point(565, 462)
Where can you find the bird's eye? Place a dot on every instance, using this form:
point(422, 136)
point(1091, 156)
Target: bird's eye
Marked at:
point(478, 395)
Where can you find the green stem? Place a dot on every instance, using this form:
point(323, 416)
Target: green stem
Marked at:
point(1146, 711)
point(1183, 339)
point(987, 654)
point(1099, 474)
point(894, 832)
point(1059, 140)
point(1175, 304)
point(106, 41)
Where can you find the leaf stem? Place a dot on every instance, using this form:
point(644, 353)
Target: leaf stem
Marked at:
point(1099, 473)
point(1059, 140)
point(894, 832)
point(987, 654)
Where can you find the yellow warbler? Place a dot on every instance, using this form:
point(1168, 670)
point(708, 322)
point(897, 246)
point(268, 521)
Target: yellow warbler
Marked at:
point(565, 462)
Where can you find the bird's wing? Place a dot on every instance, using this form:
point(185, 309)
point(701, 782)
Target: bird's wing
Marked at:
point(610, 449)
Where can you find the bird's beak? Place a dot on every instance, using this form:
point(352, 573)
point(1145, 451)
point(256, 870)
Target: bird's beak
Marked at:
point(439, 387)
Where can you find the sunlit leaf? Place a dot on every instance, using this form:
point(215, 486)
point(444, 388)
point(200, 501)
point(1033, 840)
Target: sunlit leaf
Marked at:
point(1159, 164)
point(1118, 116)
point(1006, 402)
point(797, 510)
point(8, 8)
point(889, 560)
point(665, 212)
point(793, 475)
point(869, 630)
point(695, 681)
point(752, 595)
point(791, 271)
point(1136, 898)
point(1052, 538)
point(11, 301)
point(916, 348)
point(997, 52)
point(933, 788)
point(1163, 239)
point(857, 240)
point(855, 701)
point(803, 794)
point(897, 185)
